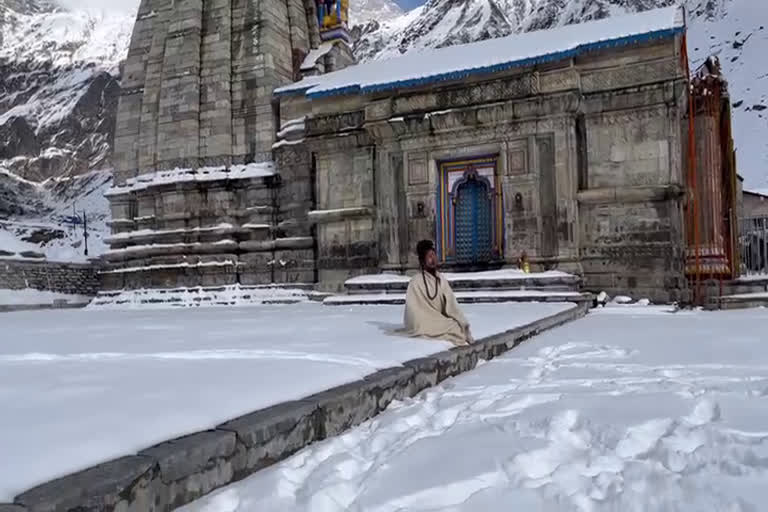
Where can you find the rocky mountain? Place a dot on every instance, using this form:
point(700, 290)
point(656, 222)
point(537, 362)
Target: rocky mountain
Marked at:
point(734, 30)
point(58, 87)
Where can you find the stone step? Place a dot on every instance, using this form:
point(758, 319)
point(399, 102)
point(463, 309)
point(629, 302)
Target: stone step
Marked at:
point(465, 297)
point(505, 279)
point(742, 301)
point(229, 295)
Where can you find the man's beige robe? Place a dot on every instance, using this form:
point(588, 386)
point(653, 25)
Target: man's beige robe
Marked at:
point(438, 318)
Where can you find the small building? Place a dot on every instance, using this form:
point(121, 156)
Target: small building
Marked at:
point(586, 147)
point(755, 204)
point(754, 232)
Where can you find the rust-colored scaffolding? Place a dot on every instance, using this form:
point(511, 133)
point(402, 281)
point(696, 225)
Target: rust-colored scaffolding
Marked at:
point(710, 210)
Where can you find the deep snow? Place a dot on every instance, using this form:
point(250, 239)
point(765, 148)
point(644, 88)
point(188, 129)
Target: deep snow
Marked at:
point(630, 409)
point(81, 387)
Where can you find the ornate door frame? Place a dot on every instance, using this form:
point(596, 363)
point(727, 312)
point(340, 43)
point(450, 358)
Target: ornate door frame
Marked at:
point(451, 175)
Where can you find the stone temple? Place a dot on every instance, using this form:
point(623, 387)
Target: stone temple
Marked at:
point(252, 149)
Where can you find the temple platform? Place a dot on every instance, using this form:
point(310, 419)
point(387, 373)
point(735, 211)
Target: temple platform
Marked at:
point(507, 285)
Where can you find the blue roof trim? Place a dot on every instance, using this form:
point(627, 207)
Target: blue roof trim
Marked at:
point(459, 74)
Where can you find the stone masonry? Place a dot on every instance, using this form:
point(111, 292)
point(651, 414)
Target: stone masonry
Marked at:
point(69, 278)
point(589, 162)
point(197, 96)
point(586, 158)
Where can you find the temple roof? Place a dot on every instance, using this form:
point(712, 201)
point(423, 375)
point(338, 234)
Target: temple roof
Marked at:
point(493, 55)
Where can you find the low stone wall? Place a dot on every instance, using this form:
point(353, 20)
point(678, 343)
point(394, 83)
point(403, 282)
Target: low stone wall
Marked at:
point(68, 278)
point(181, 470)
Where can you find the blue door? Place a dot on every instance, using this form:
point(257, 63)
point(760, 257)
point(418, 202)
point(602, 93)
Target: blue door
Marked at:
point(473, 216)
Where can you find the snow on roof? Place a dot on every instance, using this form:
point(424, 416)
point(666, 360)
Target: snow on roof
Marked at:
point(493, 55)
point(315, 54)
point(757, 192)
point(234, 172)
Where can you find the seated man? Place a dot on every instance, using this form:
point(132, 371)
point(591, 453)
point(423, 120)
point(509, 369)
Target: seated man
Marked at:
point(431, 309)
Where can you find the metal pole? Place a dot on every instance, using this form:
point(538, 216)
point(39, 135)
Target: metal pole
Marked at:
point(85, 232)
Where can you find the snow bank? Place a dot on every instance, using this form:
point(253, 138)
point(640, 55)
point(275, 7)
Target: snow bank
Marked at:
point(31, 297)
point(72, 396)
point(235, 172)
point(456, 62)
point(617, 411)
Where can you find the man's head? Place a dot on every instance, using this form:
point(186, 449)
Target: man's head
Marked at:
point(427, 255)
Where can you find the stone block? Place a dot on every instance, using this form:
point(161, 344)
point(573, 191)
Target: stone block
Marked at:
point(10, 507)
point(392, 384)
point(126, 482)
point(183, 457)
point(272, 434)
point(345, 406)
point(194, 465)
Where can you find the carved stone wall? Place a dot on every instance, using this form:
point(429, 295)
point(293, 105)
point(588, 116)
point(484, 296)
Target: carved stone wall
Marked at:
point(567, 138)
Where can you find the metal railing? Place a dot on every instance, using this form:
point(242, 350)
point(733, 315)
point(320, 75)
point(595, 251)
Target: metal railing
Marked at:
point(754, 245)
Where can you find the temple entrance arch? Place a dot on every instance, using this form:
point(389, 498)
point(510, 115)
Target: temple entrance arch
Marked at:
point(469, 223)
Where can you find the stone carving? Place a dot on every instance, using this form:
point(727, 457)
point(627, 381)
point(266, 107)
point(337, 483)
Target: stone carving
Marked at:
point(628, 115)
point(517, 87)
point(628, 76)
point(516, 163)
point(335, 123)
point(417, 171)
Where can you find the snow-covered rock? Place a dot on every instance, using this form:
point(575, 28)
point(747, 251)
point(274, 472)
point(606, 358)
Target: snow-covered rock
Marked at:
point(59, 87)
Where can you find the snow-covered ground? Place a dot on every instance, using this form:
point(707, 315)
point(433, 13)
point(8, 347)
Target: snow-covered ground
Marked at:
point(79, 387)
point(630, 409)
point(29, 296)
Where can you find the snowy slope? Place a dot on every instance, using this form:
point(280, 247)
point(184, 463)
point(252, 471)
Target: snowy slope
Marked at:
point(35, 225)
point(58, 87)
point(739, 36)
point(736, 30)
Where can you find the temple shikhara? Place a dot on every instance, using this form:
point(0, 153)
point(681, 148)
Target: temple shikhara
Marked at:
point(251, 148)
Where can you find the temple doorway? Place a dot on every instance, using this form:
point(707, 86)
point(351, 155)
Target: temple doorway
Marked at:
point(469, 213)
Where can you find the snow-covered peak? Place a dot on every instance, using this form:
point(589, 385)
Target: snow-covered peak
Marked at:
point(46, 34)
point(362, 11)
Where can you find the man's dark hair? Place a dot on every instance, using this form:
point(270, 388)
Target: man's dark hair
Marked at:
point(423, 247)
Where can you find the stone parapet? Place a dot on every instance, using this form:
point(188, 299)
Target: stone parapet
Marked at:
point(181, 470)
point(67, 278)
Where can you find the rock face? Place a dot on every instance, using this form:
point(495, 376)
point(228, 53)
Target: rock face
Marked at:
point(59, 85)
